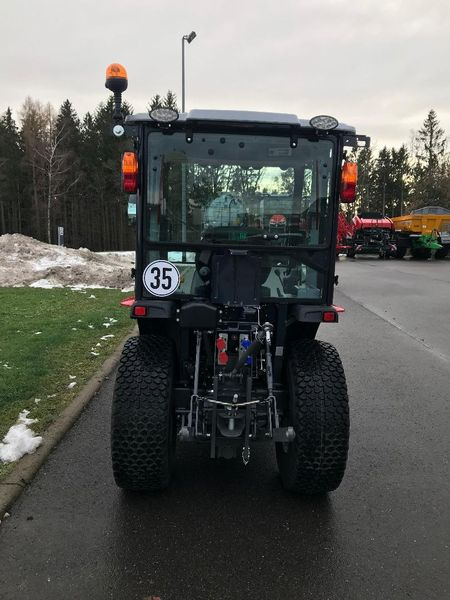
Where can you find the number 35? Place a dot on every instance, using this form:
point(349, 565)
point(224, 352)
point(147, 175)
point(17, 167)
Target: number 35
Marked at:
point(164, 281)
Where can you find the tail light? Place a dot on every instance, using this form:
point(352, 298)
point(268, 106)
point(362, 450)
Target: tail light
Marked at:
point(130, 172)
point(330, 316)
point(349, 178)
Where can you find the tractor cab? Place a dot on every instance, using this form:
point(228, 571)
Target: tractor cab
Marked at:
point(258, 190)
point(236, 218)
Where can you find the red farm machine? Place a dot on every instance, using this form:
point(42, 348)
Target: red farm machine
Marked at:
point(344, 235)
point(372, 234)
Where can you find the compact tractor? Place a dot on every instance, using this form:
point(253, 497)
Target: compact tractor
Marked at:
point(236, 221)
point(372, 234)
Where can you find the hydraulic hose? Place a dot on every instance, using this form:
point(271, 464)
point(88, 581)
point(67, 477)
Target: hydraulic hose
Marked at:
point(254, 347)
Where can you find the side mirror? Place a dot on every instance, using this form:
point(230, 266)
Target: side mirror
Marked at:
point(349, 178)
point(117, 83)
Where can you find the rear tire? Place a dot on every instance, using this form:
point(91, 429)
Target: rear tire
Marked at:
point(351, 253)
point(400, 252)
point(143, 421)
point(314, 463)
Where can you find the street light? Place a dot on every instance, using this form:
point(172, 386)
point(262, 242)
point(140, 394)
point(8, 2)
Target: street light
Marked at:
point(186, 38)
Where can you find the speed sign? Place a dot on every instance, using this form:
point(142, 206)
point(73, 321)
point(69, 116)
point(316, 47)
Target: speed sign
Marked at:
point(161, 278)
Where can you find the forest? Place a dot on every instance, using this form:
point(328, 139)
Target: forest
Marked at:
point(60, 169)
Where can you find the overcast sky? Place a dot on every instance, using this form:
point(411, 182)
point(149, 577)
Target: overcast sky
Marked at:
point(377, 64)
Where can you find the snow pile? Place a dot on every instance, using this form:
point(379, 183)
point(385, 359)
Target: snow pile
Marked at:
point(20, 439)
point(25, 261)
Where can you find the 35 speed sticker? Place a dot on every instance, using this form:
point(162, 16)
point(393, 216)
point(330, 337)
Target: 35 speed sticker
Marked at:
point(161, 278)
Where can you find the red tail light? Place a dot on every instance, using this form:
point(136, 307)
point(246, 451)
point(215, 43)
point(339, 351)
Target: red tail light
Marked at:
point(130, 172)
point(349, 178)
point(140, 311)
point(329, 316)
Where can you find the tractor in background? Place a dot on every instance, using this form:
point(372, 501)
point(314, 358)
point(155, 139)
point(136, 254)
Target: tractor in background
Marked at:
point(372, 234)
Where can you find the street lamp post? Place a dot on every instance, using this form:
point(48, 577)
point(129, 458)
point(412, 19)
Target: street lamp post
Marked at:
point(186, 38)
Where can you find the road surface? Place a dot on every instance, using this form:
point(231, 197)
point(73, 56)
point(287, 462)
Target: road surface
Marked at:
point(225, 531)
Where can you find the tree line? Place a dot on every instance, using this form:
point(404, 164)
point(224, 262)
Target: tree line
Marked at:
point(57, 169)
point(398, 180)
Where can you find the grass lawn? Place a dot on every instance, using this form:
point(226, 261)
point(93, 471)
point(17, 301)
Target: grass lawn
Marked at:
point(50, 339)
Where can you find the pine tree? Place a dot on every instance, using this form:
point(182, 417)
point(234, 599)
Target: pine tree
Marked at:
point(155, 102)
point(66, 211)
point(429, 170)
point(169, 101)
point(401, 186)
point(383, 183)
point(431, 143)
point(11, 176)
point(364, 190)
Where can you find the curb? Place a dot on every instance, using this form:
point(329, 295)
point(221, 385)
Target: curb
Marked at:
point(27, 467)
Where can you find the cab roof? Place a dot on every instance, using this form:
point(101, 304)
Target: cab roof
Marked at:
point(241, 116)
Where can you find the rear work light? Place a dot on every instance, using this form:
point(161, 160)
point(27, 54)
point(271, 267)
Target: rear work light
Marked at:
point(329, 316)
point(130, 172)
point(349, 178)
point(140, 311)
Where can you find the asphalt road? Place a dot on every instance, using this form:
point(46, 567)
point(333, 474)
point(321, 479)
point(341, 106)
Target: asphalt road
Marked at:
point(225, 531)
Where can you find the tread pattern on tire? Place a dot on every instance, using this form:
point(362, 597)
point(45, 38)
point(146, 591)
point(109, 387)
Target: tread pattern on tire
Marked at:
point(141, 437)
point(315, 461)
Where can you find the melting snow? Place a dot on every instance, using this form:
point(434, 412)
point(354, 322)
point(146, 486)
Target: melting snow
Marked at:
point(20, 439)
point(59, 258)
point(72, 376)
point(45, 283)
point(71, 385)
point(28, 262)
